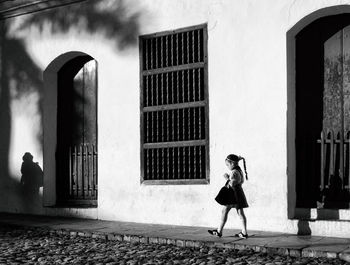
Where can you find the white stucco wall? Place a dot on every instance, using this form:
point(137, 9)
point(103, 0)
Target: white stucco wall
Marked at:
point(247, 112)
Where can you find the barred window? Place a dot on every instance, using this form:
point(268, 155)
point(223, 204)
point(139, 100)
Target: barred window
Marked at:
point(174, 107)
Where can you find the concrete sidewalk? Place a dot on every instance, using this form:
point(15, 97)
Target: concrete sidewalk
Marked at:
point(187, 236)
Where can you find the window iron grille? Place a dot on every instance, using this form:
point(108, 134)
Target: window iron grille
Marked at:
point(174, 107)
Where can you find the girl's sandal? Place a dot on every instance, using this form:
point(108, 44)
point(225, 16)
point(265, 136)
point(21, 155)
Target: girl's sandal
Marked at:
point(241, 235)
point(215, 233)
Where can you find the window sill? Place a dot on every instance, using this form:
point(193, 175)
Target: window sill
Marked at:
point(76, 204)
point(176, 182)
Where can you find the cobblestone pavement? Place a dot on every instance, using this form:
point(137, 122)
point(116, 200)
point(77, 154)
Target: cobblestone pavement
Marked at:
point(38, 246)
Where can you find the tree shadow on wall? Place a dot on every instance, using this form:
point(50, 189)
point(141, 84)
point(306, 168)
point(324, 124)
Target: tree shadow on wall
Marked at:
point(20, 76)
point(113, 19)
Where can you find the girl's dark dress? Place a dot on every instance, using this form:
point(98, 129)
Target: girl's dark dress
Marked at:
point(233, 195)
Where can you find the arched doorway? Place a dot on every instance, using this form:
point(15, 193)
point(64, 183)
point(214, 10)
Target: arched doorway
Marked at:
point(70, 131)
point(76, 156)
point(322, 111)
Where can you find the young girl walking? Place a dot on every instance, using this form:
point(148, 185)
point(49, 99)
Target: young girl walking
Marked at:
point(232, 195)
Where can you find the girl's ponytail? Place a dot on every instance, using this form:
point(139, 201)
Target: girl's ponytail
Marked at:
point(245, 167)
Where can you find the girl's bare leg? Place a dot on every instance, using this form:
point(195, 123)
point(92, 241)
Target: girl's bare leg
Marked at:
point(241, 215)
point(224, 213)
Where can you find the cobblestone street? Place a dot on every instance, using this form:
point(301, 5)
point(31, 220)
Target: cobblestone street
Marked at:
point(39, 246)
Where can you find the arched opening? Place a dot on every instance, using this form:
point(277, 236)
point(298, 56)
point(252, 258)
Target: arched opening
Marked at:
point(318, 109)
point(70, 131)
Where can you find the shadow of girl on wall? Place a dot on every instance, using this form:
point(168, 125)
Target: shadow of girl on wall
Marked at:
point(31, 181)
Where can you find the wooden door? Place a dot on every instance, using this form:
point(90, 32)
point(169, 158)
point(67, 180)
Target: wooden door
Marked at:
point(336, 96)
point(77, 133)
point(335, 137)
point(336, 103)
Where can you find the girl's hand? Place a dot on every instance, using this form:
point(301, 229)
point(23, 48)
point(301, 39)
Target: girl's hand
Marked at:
point(226, 176)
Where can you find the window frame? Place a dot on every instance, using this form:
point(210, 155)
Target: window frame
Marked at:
point(204, 103)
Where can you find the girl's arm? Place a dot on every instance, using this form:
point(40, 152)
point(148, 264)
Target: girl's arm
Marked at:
point(226, 176)
point(235, 178)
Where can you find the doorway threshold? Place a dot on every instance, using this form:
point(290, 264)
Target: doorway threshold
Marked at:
point(314, 214)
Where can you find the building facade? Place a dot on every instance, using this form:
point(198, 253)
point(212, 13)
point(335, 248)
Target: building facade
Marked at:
point(126, 110)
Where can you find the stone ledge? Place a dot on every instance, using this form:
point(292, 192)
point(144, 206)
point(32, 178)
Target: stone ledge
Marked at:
point(344, 256)
point(197, 242)
point(309, 253)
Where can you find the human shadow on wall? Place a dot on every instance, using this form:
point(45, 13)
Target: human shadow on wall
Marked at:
point(31, 182)
point(20, 75)
point(331, 199)
point(334, 196)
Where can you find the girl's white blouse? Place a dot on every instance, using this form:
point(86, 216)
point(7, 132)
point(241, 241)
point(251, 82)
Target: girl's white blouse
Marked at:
point(235, 177)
